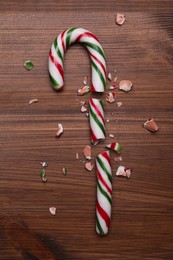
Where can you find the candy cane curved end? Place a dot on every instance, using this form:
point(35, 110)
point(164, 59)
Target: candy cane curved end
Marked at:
point(95, 50)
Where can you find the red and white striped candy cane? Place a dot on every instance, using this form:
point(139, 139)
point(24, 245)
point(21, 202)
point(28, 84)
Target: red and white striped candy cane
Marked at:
point(89, 40)
point(104, 193)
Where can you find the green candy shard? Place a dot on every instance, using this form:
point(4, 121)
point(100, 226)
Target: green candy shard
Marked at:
point(42, 173)
point(28, 65)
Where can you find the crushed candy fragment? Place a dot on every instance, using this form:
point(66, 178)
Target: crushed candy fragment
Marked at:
point(34, 100)
point(43, 175)
point(123, 171)
point(52, 211)
point(151, 125)
point(118, 159)
point(77, 156)
point(83, 90)
point(109, 76)
point(111, 135)
point(28, 65)
point(60, 130)
point(89, 166)
point(44, 164)
point(125, 85)
point(115, 79)
point(115, 147)
point(87, 114)
point(120, 18)
point(110, 97)
point(119, 104)
point(113, 86)
point(87, 152)
point(82, 103)
point(64, 170)
point(83, 109)
point(108, 120)
point(85, 80)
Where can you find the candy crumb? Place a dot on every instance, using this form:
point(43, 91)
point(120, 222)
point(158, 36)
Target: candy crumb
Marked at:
point(52, 211)
point(89, 166)
point(83, 90)
point(118, 159)
point(110, 97)
point(64, 170)
point(150, 125)
point(60, 130)
point(85, 79)
point(77, 156)
point(83, 109)
point(119, 104)
point(123, 171)
point(125, 85)
point(34, 100)
point(87, 152)
point(120, 18)
point(109, 76)
point(111, 135)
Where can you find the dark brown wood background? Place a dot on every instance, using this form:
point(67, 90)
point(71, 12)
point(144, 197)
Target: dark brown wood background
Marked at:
point(142, 211)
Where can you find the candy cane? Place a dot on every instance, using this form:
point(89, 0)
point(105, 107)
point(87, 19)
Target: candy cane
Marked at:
point(95, 50)
point(104, 193)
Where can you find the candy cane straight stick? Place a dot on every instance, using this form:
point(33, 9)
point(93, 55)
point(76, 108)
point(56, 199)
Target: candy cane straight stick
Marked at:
point(95, 50)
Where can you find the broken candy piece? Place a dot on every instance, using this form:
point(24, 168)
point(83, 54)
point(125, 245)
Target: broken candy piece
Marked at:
point(83, 109)
point(125, 85)
point(123, 171)
point(60, 130)
point(118, 159)
point(111, 135)
point(87, 152)
point(120, 18)
point(109, 76)
point(85, 80)
point(89, 166)
point(151, 125)
point(34, 100)
point(52, 211)
point(110, 97)
point(115, 147)
point(83, 90)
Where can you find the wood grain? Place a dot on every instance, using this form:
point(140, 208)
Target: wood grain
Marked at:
point(141, 50)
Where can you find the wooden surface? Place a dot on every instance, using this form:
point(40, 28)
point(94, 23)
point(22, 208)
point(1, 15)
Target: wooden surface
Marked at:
point(141, 50)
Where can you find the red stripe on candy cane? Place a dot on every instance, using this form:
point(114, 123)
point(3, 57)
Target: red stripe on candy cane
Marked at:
point(113, 145)
point(103, 214)
point(57, 65)
point(103, 182)
point(93, 136)
point(86, 34)
point(62, 39)
point(101, 64)
point(97, 110)
point(106, 156)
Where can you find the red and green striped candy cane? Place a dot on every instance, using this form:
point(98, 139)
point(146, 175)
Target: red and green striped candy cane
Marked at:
point(104, 193)
point(96, 120)
point(95, 50)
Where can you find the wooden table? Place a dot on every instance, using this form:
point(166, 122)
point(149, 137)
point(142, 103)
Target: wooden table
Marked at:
point(141, 51)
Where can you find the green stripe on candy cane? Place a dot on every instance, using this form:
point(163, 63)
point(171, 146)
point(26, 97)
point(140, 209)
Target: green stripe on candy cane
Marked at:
point(95, 47)
point(104, 168)
point(99, 226)
point(99, 73)
point(53, 81)
point(68, 36)
point(97, 121)
point(104, 193)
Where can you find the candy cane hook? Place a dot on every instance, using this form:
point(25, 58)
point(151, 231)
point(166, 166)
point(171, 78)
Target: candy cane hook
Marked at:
point(95, 50)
